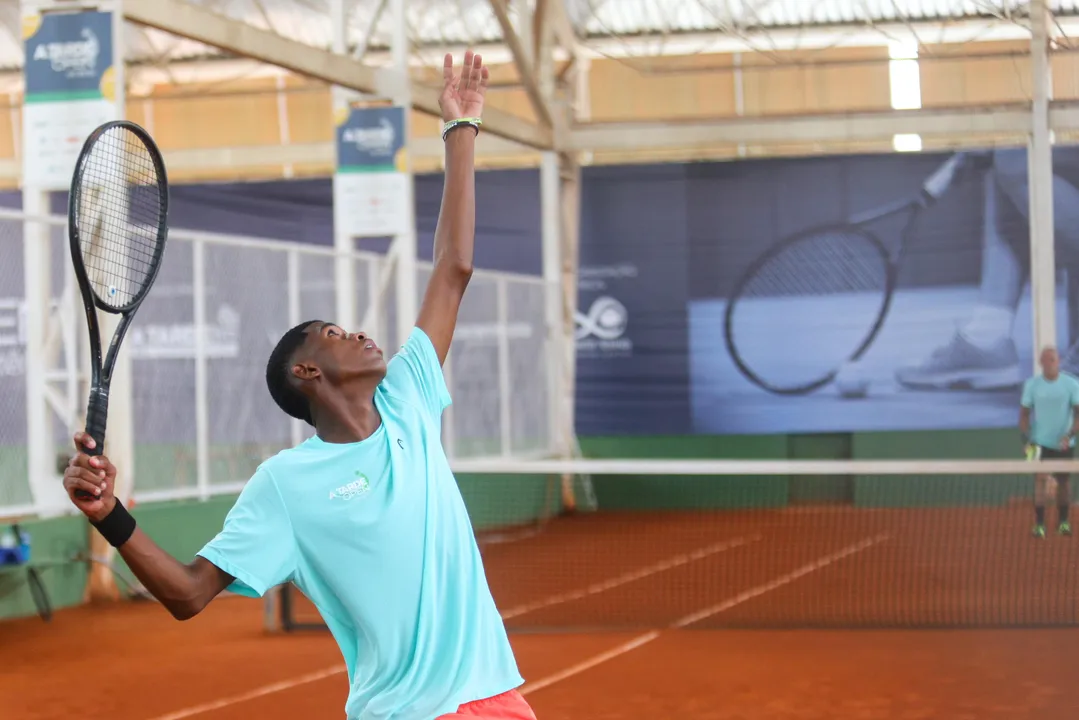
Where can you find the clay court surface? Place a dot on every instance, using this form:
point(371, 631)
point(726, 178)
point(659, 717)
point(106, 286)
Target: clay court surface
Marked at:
point(131, 661)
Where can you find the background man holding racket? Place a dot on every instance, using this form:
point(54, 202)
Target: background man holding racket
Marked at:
point(1048, 423)
point(365, 517)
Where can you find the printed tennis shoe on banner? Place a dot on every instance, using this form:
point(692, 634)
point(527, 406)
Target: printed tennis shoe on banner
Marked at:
point(961, 364)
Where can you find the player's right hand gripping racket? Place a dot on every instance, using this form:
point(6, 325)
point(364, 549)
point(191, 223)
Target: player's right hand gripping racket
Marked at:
point(117, 227)
point(817, 299)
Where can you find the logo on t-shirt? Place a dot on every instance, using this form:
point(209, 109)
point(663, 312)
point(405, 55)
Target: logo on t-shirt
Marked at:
point(357, 487)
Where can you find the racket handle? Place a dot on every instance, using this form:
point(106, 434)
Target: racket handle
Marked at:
point(97, 416)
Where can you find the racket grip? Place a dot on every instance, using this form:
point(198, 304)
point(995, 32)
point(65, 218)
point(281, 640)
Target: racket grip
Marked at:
point(97, 415)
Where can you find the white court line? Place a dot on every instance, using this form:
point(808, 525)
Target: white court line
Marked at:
point(628, 577)
point(256, 693)
point(590, 663)
point(702, 614)
point(779, 581)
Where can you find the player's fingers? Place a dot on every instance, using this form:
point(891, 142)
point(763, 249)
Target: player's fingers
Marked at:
point(75, 485)
point(447, 69)
point(96, 464)
point(84, 440)
point(466, 71)
point(96, 477)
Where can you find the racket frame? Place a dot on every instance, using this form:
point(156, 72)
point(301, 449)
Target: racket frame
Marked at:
point(891, 273)
point(101, 369)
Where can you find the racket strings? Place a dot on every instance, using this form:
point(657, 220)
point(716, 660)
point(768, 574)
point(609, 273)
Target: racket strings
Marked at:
point(119, 214)
point(825, 264)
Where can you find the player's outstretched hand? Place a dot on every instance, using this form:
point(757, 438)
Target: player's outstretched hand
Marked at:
point(93, 474)
point(462, 94)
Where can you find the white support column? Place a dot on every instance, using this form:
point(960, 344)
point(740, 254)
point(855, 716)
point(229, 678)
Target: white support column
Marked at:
point(552, 282)
point(45, 489)
point(202, 398)
point(295, 275)
point(407, 301)
point(120, 441)
point(1040, 165)
point(505, 386)
point(344, 265)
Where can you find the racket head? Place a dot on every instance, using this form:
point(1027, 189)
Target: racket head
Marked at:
point(843, 273)
point(118, 215)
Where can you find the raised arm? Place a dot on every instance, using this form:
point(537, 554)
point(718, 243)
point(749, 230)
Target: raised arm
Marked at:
point(462, 98)
point(184, 590)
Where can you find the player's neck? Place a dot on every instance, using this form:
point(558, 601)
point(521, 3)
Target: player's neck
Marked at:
point(1052, 377)
point(349, 415)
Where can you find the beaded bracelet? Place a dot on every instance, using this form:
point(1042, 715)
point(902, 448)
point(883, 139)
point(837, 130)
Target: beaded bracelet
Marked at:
point(473, 122)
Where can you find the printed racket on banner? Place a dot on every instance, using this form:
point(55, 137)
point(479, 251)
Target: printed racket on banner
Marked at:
point(843, 278)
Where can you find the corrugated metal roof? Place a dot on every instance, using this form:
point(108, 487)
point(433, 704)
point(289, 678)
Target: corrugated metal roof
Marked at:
point(461, 22)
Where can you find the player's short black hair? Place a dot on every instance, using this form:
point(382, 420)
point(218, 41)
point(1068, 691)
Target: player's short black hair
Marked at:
point(279, 371)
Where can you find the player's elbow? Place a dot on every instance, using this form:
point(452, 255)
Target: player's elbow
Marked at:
point(455, 267)
point(184, 609)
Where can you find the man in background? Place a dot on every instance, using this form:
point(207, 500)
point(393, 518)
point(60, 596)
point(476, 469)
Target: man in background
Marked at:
point(1047, 420)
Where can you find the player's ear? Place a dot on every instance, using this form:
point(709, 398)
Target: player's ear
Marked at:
point(305, 371)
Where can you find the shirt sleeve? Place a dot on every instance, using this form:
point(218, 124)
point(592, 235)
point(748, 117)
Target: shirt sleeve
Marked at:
point(415, 375)
point(1028, 395)
point(256, 546)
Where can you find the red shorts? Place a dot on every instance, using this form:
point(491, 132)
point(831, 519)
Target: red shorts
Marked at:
point(507, 706)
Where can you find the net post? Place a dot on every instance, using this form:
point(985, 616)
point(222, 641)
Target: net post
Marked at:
point(271, 619)
point(202, 410)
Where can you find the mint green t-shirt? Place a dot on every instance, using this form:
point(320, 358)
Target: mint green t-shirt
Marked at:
point(1052, 404)
point(376, 534)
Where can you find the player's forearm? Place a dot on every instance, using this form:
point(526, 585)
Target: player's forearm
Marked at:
point(184, 590)
point(456, 229)
point(1024, 421)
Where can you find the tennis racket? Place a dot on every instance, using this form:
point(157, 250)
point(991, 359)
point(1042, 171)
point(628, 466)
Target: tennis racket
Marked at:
point(843, 278)
point(117, 227)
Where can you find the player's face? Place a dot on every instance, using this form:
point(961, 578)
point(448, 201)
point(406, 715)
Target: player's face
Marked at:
point(342, 356)
point(1050, 361)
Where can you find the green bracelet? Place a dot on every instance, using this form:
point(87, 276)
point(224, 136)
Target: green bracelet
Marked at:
point(473, 122)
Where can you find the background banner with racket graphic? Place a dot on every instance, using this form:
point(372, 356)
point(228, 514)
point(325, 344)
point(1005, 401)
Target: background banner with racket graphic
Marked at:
point(692, 320)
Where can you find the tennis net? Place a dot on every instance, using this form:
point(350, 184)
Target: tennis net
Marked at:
point(770, 544)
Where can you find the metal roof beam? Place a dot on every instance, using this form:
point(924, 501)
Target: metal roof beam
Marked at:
point(189, 21)
point(955, 122)
point(526, 69)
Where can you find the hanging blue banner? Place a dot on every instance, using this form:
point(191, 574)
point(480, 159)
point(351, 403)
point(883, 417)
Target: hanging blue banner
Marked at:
point(70, 90)
point(68, 56)
point(371, 140)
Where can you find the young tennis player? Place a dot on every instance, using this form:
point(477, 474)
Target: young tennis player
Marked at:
point(365, 517)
